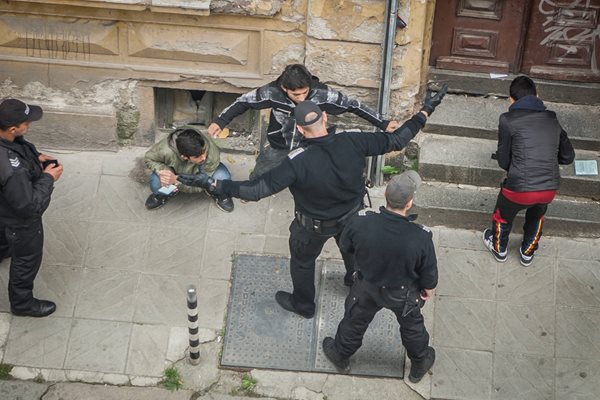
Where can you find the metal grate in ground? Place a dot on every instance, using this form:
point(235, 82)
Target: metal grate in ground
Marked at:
point(260, 334)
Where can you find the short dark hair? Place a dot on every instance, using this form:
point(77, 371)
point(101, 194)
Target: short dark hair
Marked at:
point(295, 76)
point(190, 143)
point(522, 86)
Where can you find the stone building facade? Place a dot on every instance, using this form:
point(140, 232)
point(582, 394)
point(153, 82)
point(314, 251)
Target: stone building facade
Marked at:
point(114, 72)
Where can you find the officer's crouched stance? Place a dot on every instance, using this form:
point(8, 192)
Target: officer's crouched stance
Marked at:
point(396, 268)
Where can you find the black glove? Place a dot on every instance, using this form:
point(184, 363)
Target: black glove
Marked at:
point(201, 180)
point(431, 102)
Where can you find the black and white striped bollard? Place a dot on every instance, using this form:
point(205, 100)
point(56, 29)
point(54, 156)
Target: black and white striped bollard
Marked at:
point(192, 303)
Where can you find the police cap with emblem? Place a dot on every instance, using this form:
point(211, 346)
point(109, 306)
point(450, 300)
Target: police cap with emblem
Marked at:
point(14, 112)
point(307, 113)
point(402, 188)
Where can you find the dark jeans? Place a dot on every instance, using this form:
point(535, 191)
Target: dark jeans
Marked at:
point(503, 217)
point(305, 247)
point(267, 159)
point(364, 301)
point(26, 245)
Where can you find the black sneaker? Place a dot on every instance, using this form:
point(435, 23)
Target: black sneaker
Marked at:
point(418, 369)
point(341, 363)
point(284, 299)
point(155, 201)
point(225, 204)
point(489, 244)
point(525, 260)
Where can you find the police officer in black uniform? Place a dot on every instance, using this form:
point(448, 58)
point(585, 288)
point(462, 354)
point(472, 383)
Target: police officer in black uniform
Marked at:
point(26, 182)
point(396, 268)
point(325, 177)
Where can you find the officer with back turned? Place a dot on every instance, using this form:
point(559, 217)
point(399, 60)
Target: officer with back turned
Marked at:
point(396, 268)
point(325, 177)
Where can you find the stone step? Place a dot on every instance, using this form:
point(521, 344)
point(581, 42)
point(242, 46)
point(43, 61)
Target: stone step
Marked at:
point(470, 207)
point(468, 161)
point(482, 84)
point(468, 116)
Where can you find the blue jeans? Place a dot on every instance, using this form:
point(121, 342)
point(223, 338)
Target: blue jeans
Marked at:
point(220, 173)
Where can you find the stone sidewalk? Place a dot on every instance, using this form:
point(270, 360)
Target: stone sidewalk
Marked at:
point(119, 273)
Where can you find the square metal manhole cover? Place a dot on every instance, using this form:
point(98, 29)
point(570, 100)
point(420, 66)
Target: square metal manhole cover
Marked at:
point(260, 334)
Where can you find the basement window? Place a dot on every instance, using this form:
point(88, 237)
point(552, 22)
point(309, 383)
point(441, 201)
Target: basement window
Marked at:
point(178, 107)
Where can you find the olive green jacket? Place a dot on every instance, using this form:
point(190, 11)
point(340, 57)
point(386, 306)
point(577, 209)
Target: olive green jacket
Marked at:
point(164, 155)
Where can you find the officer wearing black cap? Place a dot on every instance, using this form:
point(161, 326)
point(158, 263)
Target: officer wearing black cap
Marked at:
point(396, 268)
point(26, 182)
point(325, 177)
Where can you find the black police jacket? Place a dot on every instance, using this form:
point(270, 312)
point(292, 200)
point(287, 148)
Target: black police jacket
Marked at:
point(282, 132)
point(390, 250)
point(326, 177)
point(531, 145)
point(24, 189)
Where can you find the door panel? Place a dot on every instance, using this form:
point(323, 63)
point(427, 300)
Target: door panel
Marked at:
point(477, 35)
point(563, 40)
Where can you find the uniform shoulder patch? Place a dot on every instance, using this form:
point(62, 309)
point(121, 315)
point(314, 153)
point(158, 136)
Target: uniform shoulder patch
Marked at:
point(425, 228)
point(295, 152)
point(14, 162)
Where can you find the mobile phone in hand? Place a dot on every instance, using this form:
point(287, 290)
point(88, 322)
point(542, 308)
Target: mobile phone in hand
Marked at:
point(167, 190)
point(49, 162)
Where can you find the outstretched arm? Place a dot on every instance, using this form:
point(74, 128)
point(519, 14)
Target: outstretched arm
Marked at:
point(256, 99)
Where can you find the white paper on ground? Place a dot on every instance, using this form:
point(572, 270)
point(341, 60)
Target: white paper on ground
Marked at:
point(586, 167)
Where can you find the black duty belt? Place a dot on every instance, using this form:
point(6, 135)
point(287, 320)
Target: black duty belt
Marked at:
point(320, 225)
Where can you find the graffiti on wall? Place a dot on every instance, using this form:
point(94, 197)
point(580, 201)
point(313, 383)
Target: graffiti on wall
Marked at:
point(60, 45)
point(571, 27)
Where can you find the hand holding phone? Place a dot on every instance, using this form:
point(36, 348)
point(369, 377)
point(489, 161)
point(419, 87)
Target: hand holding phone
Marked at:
point(46, 163)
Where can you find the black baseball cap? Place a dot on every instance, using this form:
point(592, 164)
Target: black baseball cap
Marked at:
point(303, 113)
point(15, 112)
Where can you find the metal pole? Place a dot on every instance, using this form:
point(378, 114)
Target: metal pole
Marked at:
point(192, 305)
point(383, 104)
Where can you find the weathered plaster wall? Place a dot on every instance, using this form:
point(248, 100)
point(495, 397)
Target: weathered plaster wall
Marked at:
point(93, 64)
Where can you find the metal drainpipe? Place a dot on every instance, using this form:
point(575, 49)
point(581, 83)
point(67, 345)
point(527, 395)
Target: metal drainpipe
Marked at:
point(383, 103)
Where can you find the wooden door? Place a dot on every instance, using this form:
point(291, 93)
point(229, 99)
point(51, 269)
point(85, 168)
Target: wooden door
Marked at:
point(478, 35)
point(563, 40)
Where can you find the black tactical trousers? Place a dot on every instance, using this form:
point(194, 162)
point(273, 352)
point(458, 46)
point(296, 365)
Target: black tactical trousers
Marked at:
point(26, 245)
point(364, 301)
point(4, 247)
point(305, 247)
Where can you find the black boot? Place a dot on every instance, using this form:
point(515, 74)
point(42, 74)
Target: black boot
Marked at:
point(419, 368)
point(37, 308)
point(340, 362)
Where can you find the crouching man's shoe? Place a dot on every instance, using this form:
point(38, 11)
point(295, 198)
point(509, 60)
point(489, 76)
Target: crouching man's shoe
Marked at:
point(418, 369)
point(156, 201)
point(340, 362)
point(284, 299)
point(38, 308)
point(224, 204)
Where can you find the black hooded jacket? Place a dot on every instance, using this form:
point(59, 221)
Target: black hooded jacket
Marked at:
point(531, 145)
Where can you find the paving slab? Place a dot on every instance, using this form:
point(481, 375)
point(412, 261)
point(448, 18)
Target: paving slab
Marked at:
point(462, 374)
point(18, 390)
point(78, 391)
point(522, 377)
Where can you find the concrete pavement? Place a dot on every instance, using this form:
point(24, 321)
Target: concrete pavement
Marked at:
point(119, 272)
